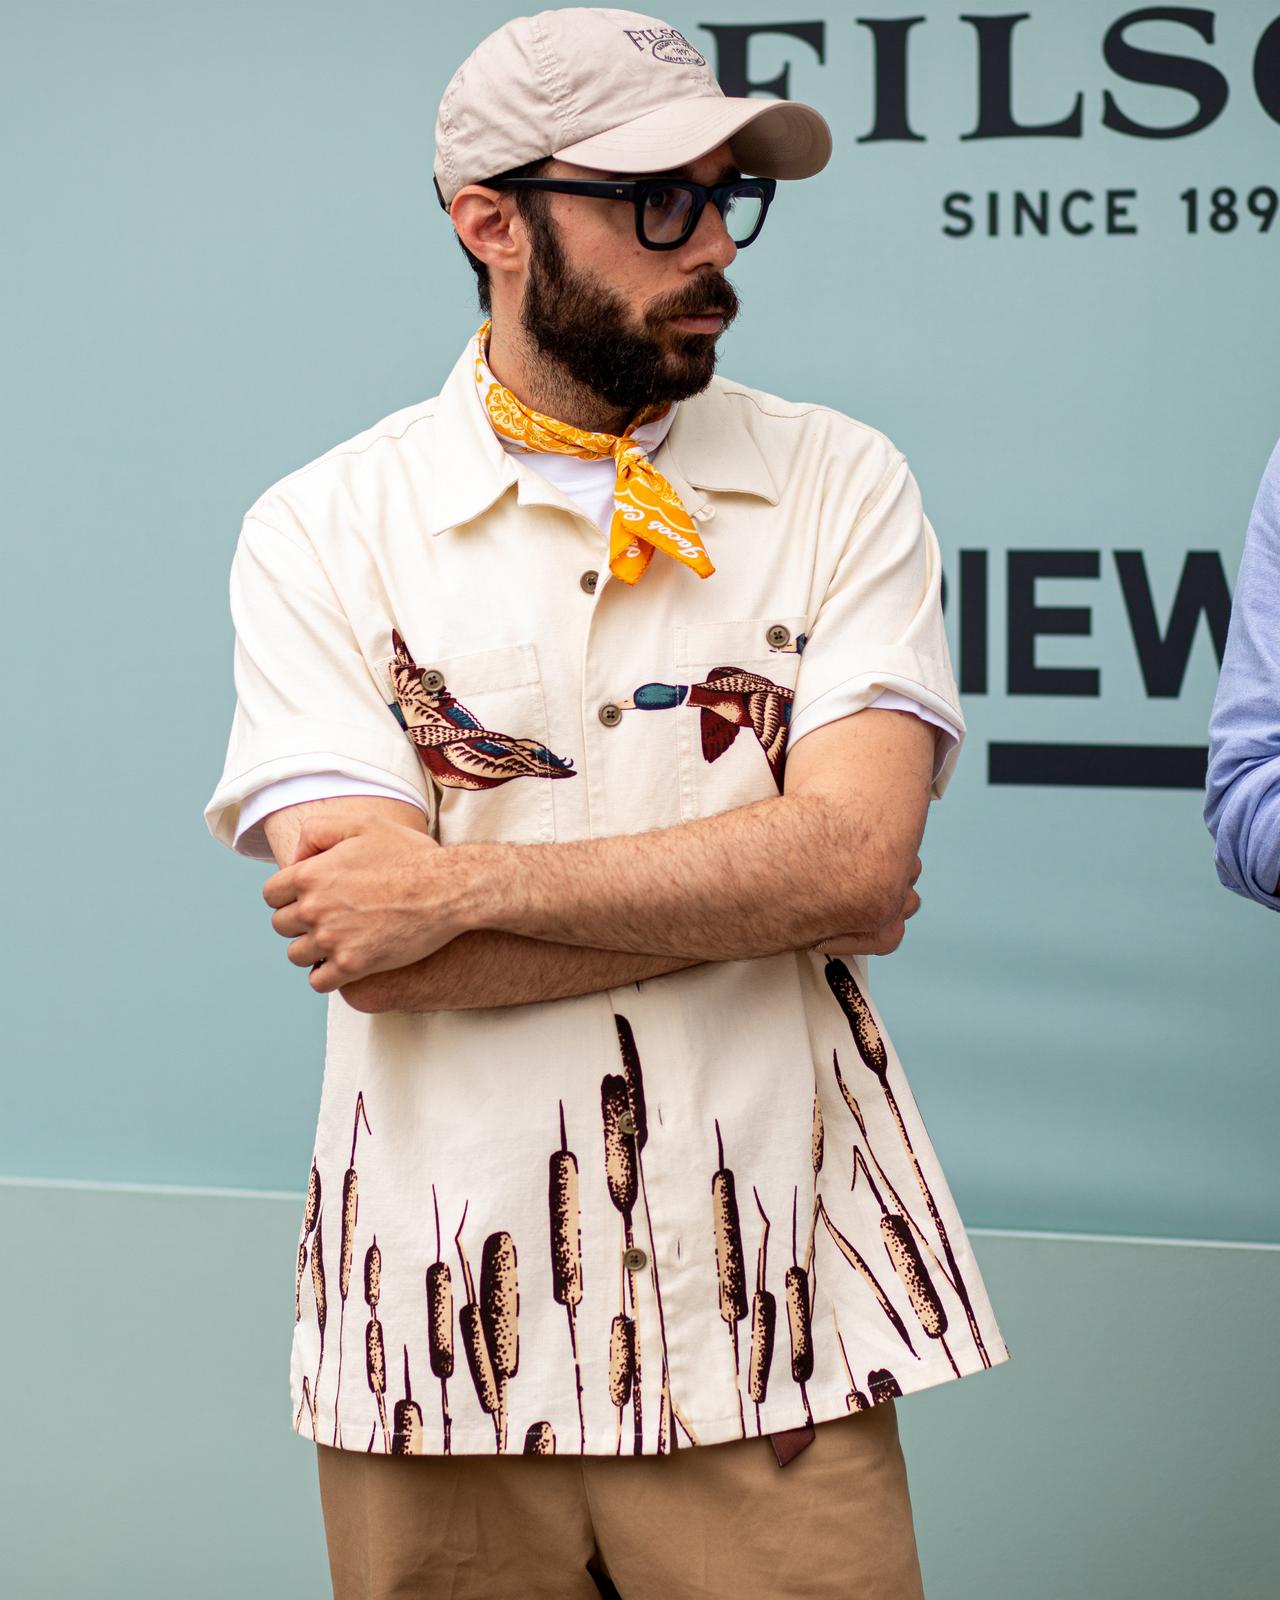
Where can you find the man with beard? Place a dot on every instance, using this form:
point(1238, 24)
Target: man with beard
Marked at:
point(664, 654)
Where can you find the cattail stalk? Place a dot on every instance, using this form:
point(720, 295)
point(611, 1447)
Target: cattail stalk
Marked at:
point(500, 1318)
point(622, 1366)
point(622, 1179)
point(730, 1268)
point(309, 1215)
point(631, 1071)
point(907, 1262)
point(489, 1325)
point(540, 1440)
point(855, 1400)
point(374, 1354)
point(473, 1340)
point(860, 1266)
point(440, 1327)
point(871, 1047)
point(799, 1316)
point(322, 1305)
point(883, 1385)
point(406, 1434)
point(350, 1210)
point(566, 1251)
point(897, 1199)
point(763, 1318)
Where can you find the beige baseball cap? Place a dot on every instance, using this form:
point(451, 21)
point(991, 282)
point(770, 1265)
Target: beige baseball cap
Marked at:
point(610, 89)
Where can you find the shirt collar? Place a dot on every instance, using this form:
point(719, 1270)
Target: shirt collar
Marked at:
point(705, 447)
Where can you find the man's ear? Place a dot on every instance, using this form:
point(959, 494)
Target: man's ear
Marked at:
point(482, 219)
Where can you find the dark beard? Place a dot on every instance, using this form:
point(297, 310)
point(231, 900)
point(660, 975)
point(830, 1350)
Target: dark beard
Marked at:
point(585, 328)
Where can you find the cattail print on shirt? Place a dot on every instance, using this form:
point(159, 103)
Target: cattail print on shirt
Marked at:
point(799, 1317)
point(621, 1172)
point(407, 1435)
point(730, 1271)
point(764, 1316)
point(870, 1045)
point(845, 1222)
point(350, 1211)
point(633, 1077)
point(566, 1251)
point(375, 1349)
point(490, 1325)
point(309, 1216)
point(440, 1326)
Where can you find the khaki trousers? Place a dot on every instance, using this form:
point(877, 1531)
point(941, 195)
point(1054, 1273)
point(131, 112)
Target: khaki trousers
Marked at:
point(715, 1522)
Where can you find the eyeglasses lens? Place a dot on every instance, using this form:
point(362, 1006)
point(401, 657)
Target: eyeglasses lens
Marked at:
point(666, 214)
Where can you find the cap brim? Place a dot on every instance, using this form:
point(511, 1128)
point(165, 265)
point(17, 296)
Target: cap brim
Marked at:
point(770, 138)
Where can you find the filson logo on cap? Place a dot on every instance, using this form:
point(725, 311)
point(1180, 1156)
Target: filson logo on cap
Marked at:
point(666, 44)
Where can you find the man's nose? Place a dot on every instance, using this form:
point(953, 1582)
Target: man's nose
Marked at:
point(709, 244)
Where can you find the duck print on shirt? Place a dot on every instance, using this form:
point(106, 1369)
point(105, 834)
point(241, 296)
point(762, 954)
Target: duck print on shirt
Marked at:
point(730, 699)
point(455, 746)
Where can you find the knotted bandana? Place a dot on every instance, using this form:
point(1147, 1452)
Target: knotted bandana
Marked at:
point(647, 511)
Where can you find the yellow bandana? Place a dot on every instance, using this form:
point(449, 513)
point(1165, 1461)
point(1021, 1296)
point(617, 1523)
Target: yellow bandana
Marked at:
point(647, 511)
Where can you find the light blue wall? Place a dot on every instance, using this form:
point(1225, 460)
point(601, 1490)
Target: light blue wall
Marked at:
point(229, 258)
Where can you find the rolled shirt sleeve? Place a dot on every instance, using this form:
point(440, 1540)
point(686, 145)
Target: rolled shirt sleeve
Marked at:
point(837, 703)
point(306, 697)
point(879, 626)
point(251, 836)
point(1242, 794)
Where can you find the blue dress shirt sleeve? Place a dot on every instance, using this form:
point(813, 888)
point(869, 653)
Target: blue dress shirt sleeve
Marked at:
point(1242, 800)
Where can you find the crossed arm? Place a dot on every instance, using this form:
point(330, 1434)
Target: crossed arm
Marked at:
point(830, 863)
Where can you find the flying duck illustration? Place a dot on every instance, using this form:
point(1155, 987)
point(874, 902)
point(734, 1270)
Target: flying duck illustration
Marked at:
point(728, 700)
point(454, 746)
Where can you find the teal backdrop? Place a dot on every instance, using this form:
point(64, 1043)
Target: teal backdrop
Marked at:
point(222, 256)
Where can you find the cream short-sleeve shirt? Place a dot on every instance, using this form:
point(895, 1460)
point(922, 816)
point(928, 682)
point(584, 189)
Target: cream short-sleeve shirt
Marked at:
point(667, 1214)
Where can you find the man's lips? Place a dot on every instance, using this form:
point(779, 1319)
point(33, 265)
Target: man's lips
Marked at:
point(702, 322)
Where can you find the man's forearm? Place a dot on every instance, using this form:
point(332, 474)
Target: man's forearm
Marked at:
point(779, 874)
point(487, 967)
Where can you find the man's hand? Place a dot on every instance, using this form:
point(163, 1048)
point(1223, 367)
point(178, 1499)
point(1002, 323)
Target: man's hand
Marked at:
point(363, 894)
point(879, 941)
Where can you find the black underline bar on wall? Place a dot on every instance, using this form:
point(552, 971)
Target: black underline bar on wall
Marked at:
point(1099, 766)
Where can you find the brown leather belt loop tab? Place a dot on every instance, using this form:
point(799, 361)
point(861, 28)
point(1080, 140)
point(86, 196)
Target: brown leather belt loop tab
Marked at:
point(788, 1444)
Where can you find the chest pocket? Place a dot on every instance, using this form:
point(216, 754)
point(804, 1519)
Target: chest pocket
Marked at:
point(740, 679)
point(479, 723)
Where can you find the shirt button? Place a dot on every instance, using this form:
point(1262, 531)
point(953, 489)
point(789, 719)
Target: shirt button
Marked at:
point(610, 714)
point(704, 513)
point(431, 679)
point(634, 1259)
point(626, 1123)
point(588, 581)
point(778, 635)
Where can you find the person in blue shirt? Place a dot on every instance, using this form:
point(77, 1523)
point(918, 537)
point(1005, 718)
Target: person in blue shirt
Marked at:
point(1242, 800)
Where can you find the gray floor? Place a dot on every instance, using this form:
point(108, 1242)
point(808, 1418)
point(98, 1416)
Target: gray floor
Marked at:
point(1126, 1452)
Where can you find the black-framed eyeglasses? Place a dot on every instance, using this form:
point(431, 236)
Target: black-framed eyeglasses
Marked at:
point(668, 209)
